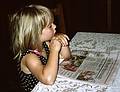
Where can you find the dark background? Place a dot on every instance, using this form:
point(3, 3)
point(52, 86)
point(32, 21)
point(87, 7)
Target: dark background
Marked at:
point(80, 15)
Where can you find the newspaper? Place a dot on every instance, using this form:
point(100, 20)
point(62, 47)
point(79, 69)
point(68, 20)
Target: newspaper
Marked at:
point(91, 66)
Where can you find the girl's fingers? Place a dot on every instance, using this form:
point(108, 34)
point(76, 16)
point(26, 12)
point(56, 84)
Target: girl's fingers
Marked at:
point(63, 40)
point(66, 37)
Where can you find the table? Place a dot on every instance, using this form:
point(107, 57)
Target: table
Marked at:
point(102, 42)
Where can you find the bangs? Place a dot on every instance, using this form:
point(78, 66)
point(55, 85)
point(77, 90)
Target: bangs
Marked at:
point(49, 19)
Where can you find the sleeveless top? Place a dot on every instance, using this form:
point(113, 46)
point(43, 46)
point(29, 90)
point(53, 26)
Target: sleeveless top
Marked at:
point(29, 81)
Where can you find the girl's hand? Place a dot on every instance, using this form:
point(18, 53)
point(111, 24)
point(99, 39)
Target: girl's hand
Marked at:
point(55, 44)
point(62, 38)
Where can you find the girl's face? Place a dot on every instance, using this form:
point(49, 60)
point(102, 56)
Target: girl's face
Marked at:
point(48, 32)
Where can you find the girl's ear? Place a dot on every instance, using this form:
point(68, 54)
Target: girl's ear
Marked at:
point(43, 31)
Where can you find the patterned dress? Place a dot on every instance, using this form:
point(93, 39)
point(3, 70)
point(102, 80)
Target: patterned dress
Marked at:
point(29, 81)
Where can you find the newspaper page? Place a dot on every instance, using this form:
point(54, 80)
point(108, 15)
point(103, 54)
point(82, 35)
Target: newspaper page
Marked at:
point(91, 66)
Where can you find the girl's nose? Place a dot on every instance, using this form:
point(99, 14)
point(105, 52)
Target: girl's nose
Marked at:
point(54, 26)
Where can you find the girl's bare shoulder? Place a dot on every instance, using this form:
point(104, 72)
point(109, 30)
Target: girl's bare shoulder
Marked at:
point(30, 62)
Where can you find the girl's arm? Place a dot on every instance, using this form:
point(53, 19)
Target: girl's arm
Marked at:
point(65, 52)
point(45, 73)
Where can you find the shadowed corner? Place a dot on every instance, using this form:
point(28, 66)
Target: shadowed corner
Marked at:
point(8, 73)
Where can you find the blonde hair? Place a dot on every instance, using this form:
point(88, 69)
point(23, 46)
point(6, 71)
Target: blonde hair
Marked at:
point(27, 25)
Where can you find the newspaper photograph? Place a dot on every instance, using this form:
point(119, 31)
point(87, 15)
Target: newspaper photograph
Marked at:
point(95, 67)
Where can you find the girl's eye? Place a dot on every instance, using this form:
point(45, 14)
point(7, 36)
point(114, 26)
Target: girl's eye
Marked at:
point(50, 26)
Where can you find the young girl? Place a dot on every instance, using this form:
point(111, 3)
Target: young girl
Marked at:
point(36, 47)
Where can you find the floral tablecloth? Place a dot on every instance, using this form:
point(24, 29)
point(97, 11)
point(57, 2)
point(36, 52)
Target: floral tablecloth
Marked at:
point(63, 84)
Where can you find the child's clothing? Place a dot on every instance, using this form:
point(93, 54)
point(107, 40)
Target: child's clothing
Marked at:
point(29, 81)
